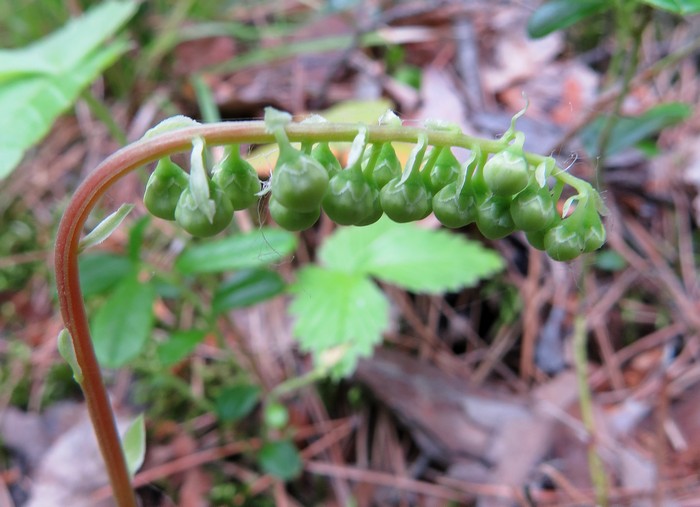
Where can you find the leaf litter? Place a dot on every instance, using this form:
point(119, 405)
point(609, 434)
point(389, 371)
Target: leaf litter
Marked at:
point(467, 407)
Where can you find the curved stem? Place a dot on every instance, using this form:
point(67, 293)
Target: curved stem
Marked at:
point(143, 152)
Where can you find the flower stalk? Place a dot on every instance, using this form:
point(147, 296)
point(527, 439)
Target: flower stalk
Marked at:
point(157, 147)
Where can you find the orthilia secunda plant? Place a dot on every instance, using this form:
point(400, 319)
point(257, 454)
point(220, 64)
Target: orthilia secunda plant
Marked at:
point(500, 188)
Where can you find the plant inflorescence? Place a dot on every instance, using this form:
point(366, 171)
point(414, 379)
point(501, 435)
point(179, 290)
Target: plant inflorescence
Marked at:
point(500, 187)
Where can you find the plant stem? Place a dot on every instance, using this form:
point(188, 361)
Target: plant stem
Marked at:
point(634, 34)
point(595, 465)
point(103, 114)
point(149, 150)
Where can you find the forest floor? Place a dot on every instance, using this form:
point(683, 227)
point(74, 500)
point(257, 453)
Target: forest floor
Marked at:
point(473, 398)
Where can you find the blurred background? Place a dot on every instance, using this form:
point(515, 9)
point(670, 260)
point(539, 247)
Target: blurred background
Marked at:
point(473, 398)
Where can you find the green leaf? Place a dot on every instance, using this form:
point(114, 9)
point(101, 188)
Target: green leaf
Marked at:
point(246, 288)
point(63, 51)
point(280, 459)
point(178, 346)
point(628, 131)
point(105, 228)
point(417, 259)
point(257, 248)
point(559, 14)
point(235, 402)
point(610, 260)
point(123, 323)
point(136, 234)
point(29, 106)
point(134, 444)
point(682, 7)
point(199, 180)
point(176, 122)
point(67, 351)
point(340, 317)
point(100, 271)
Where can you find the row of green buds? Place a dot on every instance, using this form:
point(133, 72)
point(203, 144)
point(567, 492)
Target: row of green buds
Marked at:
point(504, 194)
point(201, 205)
point(500, 191)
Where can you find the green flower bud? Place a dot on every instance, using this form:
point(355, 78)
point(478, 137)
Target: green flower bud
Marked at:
point(292, 220)
point(238, 179)
point(164, 187)
point(193, 219)
point(493, 217)
point(506, 173)
point(323, 155)
point(533, 209)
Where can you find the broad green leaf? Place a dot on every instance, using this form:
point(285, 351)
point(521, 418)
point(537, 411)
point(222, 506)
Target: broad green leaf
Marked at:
point(628, 131)
point(559, 14)
point(134, 444)
point(178, 346)
point(67, 351)
point(123, 323)
point(245, 288)
point(682, 7)
point(257, 248)
point(417, 259)
point(105, 228)
point(100, 271)
point(337, 312)
point(64, 50)
point(236, 402)
point(29, 106)
point(281, 459)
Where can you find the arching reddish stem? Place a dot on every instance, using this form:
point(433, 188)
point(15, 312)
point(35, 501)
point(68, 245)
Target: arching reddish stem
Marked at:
point(116, 166)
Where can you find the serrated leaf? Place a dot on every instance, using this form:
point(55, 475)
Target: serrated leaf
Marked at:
point(280, 459)
point(261, 247)
point(123, 323)
point(105, 228)
point(178, 346)
point(62, 51)
point(246, 288)
point(235, 402)
point(417, 259)
point(41, 81)
point(682, 7)
point(100, 271)
point(629, 131)
point(338, 309)
point(134, 444)
point(559, 14)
